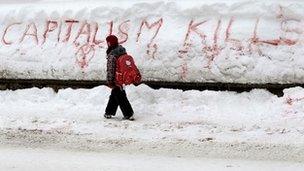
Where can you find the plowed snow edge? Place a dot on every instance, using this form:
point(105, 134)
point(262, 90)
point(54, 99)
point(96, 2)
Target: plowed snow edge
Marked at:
point(175, 147)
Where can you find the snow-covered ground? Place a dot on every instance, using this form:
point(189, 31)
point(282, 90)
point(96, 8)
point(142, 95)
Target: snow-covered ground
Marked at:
point(26, 159)
point(256, 124)
point(235, 41)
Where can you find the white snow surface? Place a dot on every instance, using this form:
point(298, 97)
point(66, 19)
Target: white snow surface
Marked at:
point(229, 41)
point(161, 115)
point(21, 159)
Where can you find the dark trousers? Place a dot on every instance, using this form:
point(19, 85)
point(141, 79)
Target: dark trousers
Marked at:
point(119, 98)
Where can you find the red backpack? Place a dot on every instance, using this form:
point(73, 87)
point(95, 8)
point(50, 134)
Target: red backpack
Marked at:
point(126, 71)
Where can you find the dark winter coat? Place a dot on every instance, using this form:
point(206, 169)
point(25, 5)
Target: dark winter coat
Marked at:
point(112, 55)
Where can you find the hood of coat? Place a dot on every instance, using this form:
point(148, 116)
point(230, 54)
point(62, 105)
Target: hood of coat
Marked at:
point(118, 51)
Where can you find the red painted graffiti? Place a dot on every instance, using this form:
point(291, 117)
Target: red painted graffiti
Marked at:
point(192, 27)
point(85, 54)
point(31, 30)
point(123, 31)
point(85, 30)
point(50, 27)
point(152, 47)
point(111, 23)
point(95, 31)
point(275, 42)
point(6, 42)
point(87, 36)
point(212, 51)
point(70, 24)
point(228, 32)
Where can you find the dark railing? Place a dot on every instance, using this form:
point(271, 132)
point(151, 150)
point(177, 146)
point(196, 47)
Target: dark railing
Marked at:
point(14, 84)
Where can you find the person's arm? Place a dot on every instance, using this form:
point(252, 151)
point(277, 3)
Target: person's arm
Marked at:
point(111, 67)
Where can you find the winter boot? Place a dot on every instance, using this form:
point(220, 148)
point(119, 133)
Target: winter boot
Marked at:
point(107, 116)
point(131, 118)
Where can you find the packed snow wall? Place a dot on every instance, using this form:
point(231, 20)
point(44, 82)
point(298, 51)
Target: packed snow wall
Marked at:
point(172, 41)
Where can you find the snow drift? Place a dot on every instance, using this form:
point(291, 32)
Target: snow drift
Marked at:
point(187, 41)
point(249, 125)
point(255, 116)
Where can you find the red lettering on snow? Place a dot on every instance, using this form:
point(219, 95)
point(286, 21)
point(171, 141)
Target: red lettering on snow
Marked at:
point(192, 28)
point(95, 31)
point(86, 53)
point(6, 42)
point(274, 42)
point(145, 23)
point(152, 48)
point(31, 30)
point(50, 26)
point(123, 31)
point(228, 32)
point(70, 24)
point(111, 27)
point(85, 29)
point(214, 50)
point(59, 31)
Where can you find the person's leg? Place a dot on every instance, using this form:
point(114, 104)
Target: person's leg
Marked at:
point(112, 104)
point(124, 104)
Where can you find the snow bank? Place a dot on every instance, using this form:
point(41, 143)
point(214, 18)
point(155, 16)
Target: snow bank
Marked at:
point(257, 116)
point(188, 41)
point(252, 125)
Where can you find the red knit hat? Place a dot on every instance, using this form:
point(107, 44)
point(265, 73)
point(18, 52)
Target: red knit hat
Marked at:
point(113, 40)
